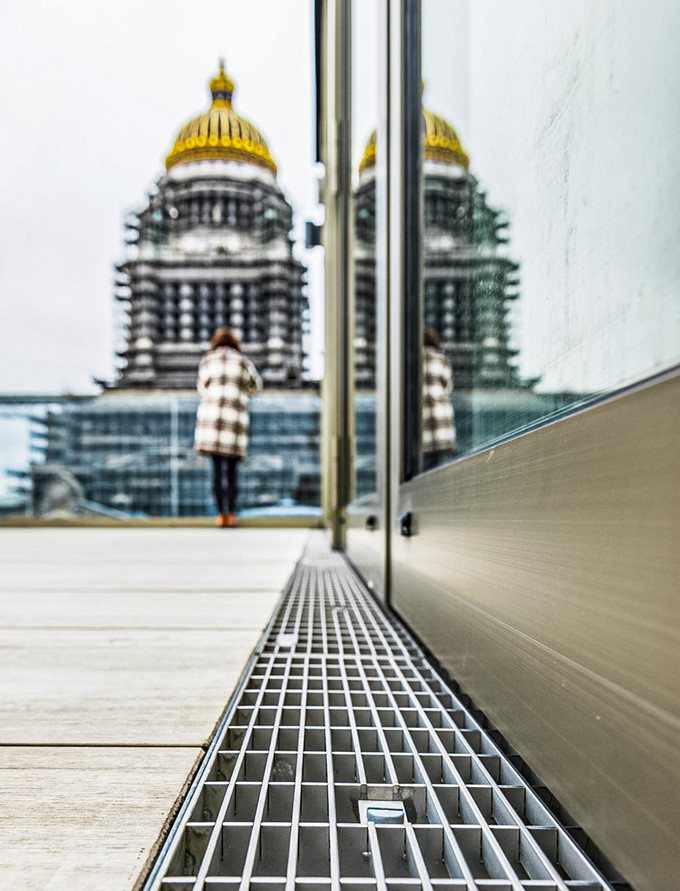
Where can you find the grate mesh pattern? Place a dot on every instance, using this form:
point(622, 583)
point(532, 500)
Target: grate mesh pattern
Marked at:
point(346, 761)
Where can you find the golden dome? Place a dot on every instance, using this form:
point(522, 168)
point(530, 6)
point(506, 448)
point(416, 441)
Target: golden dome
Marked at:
point(368, 159)
point(220, 134)
point(440, 143)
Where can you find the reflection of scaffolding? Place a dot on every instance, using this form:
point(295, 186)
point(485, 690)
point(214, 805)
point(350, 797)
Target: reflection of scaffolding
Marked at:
point(483, 418)
point(468, 281)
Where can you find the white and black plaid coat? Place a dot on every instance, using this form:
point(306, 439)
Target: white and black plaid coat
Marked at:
point(438, 433)
point(226, 379)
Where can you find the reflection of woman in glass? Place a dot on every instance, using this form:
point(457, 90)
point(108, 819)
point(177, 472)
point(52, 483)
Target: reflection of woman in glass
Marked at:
point(225, 381)
point(438, 432)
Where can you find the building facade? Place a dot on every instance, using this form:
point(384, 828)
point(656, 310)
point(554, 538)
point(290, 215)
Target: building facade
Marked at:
point(212, 247)
point(469, 282)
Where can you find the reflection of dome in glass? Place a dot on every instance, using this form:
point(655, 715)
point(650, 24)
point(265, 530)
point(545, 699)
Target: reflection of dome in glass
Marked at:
point(220, 134)
point(440, 143)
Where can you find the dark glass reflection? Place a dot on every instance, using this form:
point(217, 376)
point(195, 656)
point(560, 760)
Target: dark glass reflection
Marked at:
point(470, 282)
point(365, 336)
point(593, 308)
point(468, 285)
point(364, 116)
point(467, 282)
point(438, 429)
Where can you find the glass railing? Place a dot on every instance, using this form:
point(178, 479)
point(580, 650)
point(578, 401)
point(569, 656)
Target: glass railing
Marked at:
point(130, 455)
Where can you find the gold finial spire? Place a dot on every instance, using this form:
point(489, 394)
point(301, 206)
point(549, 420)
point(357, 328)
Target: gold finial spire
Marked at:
point(221, 88)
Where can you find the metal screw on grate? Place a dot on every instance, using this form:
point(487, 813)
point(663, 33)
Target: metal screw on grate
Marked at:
point(346, 761)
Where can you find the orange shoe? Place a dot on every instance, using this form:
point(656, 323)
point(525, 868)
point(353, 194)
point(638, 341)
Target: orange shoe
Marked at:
point(221, 520)
point(230, 521)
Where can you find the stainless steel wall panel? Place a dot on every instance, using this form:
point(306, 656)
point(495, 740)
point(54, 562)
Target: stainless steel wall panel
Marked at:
point(366, 541)
point(543, 574)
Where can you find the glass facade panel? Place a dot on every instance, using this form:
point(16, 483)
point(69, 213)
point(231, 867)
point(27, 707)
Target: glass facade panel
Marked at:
point(364, 123)
point(550, 276)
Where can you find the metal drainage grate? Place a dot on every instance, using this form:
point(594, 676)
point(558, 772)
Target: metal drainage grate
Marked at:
point(345, 760)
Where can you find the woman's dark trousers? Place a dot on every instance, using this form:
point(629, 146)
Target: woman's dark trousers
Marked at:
point(225, 485)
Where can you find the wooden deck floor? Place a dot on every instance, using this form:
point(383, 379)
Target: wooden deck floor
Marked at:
point(119, 649)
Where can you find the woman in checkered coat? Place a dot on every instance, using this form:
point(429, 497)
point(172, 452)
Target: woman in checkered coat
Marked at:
point(226, 380)
point(438, 430)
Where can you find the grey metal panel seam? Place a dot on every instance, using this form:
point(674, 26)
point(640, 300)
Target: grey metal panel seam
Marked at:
point(345, 760)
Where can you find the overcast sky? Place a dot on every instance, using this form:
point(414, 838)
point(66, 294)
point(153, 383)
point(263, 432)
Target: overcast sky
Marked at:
point(92, 97)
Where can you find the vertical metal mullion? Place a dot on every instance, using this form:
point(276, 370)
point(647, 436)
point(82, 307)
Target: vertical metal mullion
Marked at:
point(337, 383)
point(393, 272)
point(382, 293)
point(411, 334)
point(403, 247)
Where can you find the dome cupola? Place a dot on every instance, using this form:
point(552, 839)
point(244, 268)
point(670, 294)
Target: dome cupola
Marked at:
point(220, 134)
point(440, 143)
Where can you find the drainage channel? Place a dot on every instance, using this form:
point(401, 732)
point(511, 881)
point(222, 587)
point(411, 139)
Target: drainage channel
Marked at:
point(345, 759)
